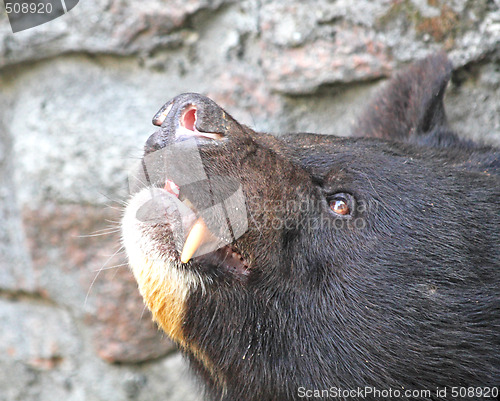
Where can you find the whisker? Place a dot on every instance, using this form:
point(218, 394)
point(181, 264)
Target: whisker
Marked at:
point(98, 234)
point(111, 226)
point(111, 267)
point(112, 221)
point(114, 275)
point(144, 184)
point(99, 272)
point(120, 209)
point(109, 198)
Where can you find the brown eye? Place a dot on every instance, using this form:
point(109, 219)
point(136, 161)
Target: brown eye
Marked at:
point(340, 206)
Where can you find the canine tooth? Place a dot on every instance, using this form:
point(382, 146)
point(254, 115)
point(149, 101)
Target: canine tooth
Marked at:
point(196, 237)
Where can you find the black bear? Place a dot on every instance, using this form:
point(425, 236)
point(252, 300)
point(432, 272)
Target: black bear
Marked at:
point(309, 266)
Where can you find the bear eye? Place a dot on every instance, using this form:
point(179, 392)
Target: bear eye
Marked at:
point(340, 206)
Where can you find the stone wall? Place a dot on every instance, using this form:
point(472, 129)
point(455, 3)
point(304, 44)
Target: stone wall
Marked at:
point(76, 99)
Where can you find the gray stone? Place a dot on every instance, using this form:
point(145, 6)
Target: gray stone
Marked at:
point(333, 111)
point(345, 41)
point(16, 270)
point(104, 27)
point(44, 357)
point(180, 385)
point(76, 128)
point(467, 30)
point(473, 104)
point(36, 334)
point(319, 45)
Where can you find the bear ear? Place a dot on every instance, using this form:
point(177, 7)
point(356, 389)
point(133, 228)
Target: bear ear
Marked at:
point(411, 105)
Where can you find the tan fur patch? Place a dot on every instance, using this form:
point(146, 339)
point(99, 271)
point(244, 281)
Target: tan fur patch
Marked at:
point(163, 286)
point(165, 299)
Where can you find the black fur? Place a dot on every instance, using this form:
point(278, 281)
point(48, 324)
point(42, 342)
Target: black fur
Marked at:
point(404, 293)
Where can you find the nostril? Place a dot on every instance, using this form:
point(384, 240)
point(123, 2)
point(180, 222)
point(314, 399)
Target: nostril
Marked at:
point(187, 128)
point(188, 120)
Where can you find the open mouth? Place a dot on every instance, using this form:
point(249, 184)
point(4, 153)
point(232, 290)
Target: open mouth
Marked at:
point(204, 206)
point(226, 256)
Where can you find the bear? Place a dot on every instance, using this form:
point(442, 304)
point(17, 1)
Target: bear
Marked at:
point(310, 266)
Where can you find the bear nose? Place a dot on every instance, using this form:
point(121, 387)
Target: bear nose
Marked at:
point(189, 115)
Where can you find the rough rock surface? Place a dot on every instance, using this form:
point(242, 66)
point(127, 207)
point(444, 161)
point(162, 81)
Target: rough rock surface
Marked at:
point(76, 98)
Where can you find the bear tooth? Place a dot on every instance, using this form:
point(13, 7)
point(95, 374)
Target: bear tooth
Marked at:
point(196, 237)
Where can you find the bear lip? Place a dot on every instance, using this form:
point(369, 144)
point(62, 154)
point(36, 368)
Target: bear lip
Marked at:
point(227, 258)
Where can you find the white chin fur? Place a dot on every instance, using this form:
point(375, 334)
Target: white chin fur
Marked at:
point(162, 284)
